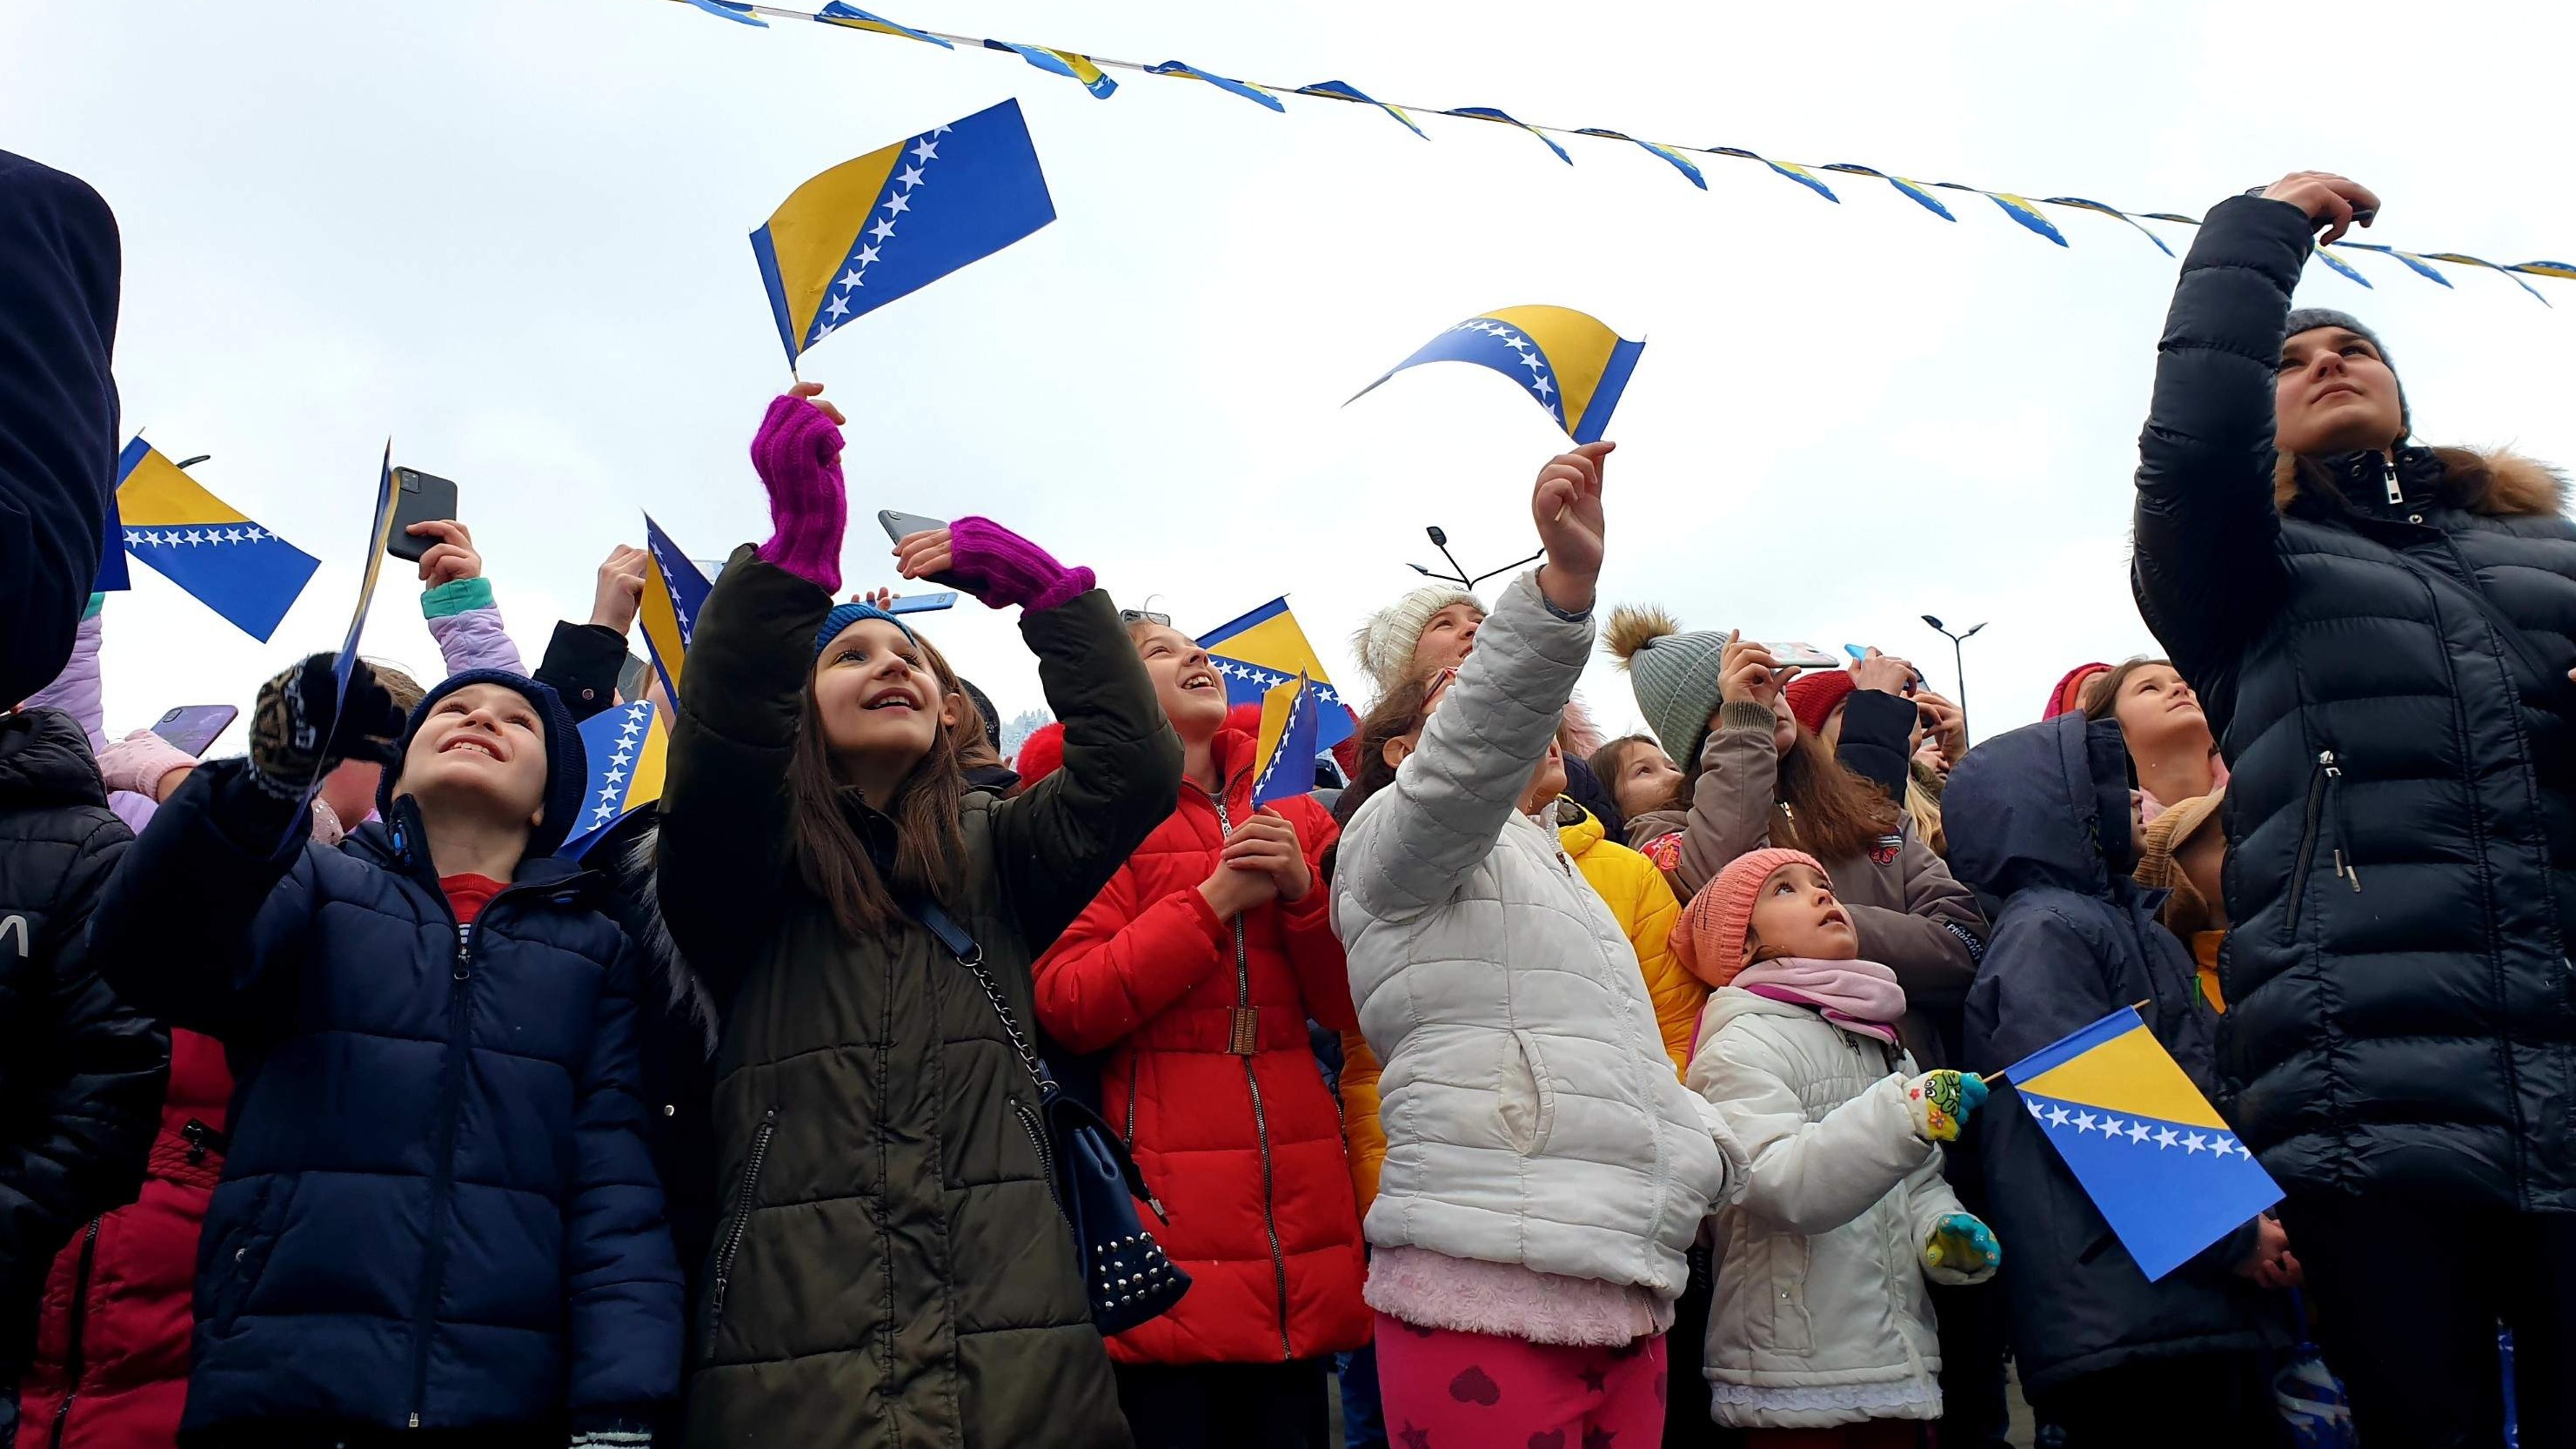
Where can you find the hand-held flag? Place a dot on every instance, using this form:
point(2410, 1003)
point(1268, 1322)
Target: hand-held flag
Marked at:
point(1573, 364)
point(1284, 764)
point(627, 746)
point(674, 592)
point(344, 664)
point(205, 546)
point(1264, 649)
point(893, 221)
point(2161, 1164)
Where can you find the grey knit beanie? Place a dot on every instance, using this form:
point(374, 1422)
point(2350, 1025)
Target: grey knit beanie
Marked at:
point(2309, 319)
point(1386, 642)
point(1674, 674)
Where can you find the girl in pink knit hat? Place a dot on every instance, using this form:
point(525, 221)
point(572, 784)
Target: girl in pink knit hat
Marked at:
point(1822, 1321)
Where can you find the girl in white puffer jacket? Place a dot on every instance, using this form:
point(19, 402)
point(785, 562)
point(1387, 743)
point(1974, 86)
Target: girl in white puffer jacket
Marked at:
point(1545, 1171)
point(1821, 1320)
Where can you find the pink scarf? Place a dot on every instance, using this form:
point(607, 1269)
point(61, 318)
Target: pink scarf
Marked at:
point(1859, 996)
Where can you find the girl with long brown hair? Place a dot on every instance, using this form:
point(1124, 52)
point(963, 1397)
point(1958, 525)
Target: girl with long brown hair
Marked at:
point(891, 1253)
point(1763, 779)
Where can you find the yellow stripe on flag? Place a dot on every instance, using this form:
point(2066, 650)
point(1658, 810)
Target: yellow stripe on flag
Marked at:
point(2131, 1073)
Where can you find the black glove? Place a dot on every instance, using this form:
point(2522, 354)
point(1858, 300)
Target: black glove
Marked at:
point(302, 728)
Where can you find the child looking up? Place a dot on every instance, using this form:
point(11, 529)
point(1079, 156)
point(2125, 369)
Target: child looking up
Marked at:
point(1822, 1321)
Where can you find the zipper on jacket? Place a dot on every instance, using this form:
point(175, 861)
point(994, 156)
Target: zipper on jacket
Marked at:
point(1244, 1041)
point(2321, 783)
point(741, 1216)
point(201, 1140)
point(2396, 489)
point(1030, 1123)
point(78, 1324)
point(442, 1181)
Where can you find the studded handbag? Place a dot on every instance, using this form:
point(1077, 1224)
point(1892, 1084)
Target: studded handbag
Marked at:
point(1095, 1182)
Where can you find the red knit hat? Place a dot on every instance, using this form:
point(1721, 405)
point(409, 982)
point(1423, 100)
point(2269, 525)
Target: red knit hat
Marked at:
point(1718, 923)
point(2069, 693)
point(1813, 697)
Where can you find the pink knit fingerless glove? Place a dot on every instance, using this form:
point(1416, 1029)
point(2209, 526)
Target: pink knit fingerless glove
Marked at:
point(1001, 568)
point(797, 454)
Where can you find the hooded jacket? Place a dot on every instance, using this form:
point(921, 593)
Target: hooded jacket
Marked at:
point(80, 1070)
point(111, 1365)
point(59, 264)
point(1242, 1147)
point(891, 1268)
point(1821, 1316)
point(2382, 646)
point(2040, 818)
point(1532, 1117)
point(437, 1210)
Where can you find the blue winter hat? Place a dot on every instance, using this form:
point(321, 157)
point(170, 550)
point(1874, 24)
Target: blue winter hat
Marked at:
point(844, 615)
point(567, 763)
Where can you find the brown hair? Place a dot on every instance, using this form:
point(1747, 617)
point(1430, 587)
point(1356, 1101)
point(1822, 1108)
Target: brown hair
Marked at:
point(1833, 813)
point(2101, 699)
point(1611, 759)
point(1399, 712)
point(929, 845)
point(406, 691)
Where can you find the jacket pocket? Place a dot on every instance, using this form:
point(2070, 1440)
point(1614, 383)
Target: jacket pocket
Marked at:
point(1527, 1101)
point(743, 1197)
point(247, 1253)
point(1781, 1261)
point(2322, 782)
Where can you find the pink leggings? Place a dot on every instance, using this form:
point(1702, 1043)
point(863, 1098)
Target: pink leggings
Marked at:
point(1442, 1389)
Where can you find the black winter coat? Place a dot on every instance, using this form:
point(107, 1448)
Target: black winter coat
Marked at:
point(891, 1269)
point(437, 1211)
point(2040, 817)
point(59, 259)
point(2382, 646)
point(80, 1072)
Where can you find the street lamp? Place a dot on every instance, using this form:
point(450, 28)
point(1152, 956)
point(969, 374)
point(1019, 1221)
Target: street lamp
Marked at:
point(1959, 662)
point(1440, 540)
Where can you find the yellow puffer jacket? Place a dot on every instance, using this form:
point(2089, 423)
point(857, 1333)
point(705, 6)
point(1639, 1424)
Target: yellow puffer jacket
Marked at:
point(1638, 894)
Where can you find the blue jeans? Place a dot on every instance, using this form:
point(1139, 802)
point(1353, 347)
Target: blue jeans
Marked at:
point(1363, 1423)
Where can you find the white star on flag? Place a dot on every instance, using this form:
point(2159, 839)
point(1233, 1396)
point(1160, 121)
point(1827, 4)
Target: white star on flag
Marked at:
point(2087, 1122)
point(2138, 1132)
point(2165, 1137)
point(2110, 1126)
point(132, 538)
point(882, 230)
point(910, 178)
point(2036, 1109)
point(850, 278)
point(2195, 1143)
point(252, 534)
point(922, 150)
point(2057, 1117)
point(1541, 385)
point(897, 204)
point(840, 306)
point(867, 255)
point(608, 794)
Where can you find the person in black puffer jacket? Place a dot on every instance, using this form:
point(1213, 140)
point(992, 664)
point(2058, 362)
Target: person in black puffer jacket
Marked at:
point(80, 1072)
point(59, 258)
point(2381, 635)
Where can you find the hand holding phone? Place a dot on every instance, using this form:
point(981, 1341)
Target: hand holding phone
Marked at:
point(901, 526)
point(1796, 655)
point(195, 727)
point(418, 498)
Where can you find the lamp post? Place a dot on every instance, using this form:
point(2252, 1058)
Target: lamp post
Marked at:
point(1440, 540)
point(1958, 661)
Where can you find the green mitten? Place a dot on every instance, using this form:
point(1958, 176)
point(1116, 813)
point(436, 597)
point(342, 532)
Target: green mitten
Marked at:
point(1942, 1101)
point(1962, 1244)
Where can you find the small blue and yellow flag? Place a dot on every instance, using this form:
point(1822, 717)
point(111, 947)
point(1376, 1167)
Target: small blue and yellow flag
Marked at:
point(204, 545)
point(1064, 63)
point(2161, 1164)
point(674, 593)
point(1573, 364)
point(1266, 649)
point(627, 746)
point(1345, 91)
point(893, 221)
point(1245, 89)
point(1284, 763)
point(851, 17)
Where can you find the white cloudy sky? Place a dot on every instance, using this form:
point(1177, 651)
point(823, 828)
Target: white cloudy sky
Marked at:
point(511, 235)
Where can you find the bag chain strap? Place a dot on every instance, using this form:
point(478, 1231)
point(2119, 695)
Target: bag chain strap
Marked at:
point(970, 954)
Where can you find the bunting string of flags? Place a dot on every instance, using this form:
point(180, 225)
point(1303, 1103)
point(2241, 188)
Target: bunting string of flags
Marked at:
point(1091, 72)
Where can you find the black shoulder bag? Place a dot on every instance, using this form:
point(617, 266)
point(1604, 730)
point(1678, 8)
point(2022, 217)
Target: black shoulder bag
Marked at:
point(1095, 1182)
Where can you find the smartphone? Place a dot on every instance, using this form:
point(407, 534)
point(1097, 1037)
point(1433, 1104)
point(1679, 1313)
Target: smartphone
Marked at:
point(195, 727)
point(418, 498)
point(1802, 656)
point(922, 603)
point(900, 526)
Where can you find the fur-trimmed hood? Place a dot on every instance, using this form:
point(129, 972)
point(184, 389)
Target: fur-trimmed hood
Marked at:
point(2497, 484)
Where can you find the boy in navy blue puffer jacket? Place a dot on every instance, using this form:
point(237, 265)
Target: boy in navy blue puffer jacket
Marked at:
point(438, 1220)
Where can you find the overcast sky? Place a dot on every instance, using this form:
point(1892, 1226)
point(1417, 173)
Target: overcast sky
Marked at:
point(511, 235)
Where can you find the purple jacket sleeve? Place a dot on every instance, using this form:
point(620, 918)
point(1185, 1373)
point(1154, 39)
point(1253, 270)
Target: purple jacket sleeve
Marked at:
point(75, 691)
point(467, 625)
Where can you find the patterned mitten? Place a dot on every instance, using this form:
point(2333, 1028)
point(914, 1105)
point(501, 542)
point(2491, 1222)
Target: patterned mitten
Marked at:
point(300, 729)
point(1962, 1244)
point(1942, 1101)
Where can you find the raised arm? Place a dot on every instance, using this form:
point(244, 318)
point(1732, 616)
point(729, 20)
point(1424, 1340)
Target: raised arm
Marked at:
point(457, 601)
point(2206, 570)
point(722, 858)
point(76, 691)
point(1408, 847)
point(584, 661)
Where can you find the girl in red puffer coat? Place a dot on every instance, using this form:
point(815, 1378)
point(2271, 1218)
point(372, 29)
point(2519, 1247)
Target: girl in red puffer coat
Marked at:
point(1195, 971)
point(111, 1365)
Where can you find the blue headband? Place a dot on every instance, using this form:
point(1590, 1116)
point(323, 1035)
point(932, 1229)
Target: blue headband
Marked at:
point(844, 615)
